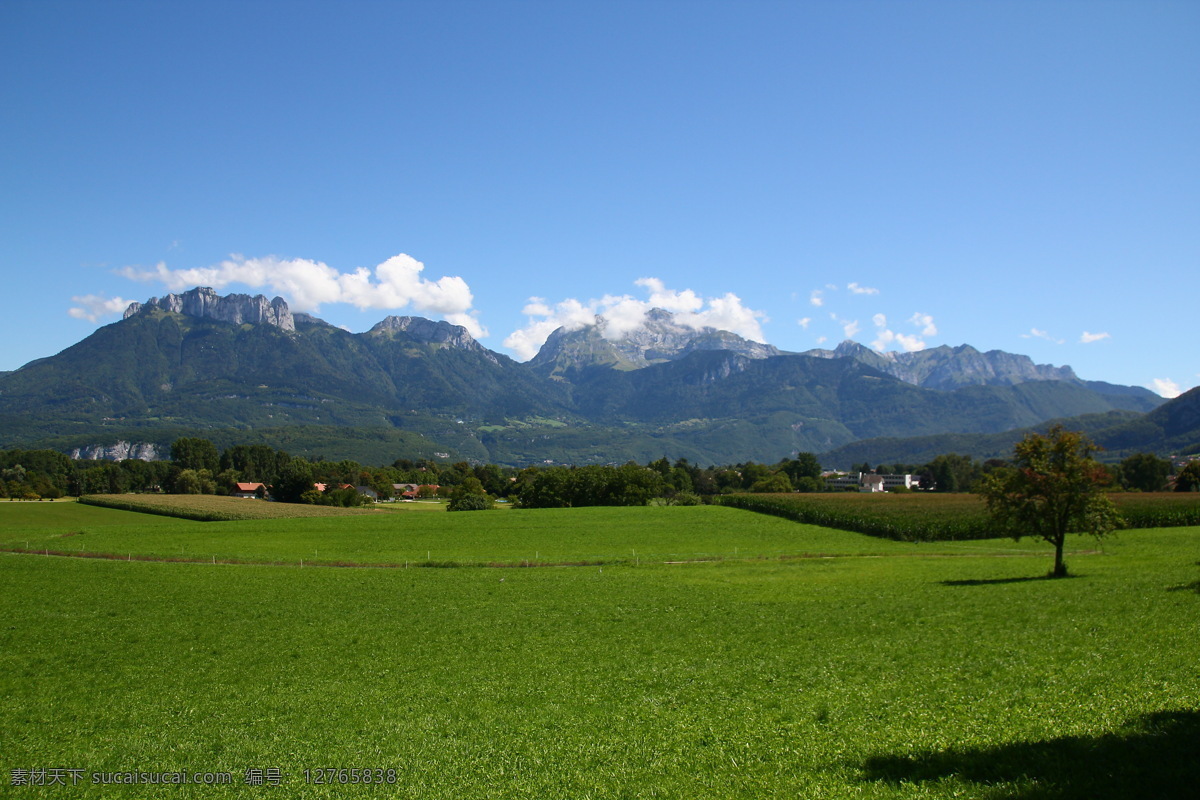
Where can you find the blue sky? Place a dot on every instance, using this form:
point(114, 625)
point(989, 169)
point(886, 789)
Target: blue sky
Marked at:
point(1021, 176)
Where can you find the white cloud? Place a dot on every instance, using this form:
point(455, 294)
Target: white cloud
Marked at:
point(1035, 333)
point(925, 323)
point(856, 289)
point(686, 301)
point(526, 341)
point(537, 306)
point(816, 298)
point(822, 339)
point(623, 314)
point(569, 314)
point(882, 340)
point(726, 313)
point(1166, 387)
point(93, 306)
point(909, 342)
point(307, 284)
point(1088, 338)
point(849, 327)
point(803, 323)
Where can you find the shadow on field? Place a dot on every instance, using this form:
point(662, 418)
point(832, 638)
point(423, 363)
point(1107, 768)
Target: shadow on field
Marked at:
point(1194, 586)
point(993, 581)
point(1155, 755)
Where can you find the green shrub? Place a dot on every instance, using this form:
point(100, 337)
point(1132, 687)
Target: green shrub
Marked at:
point(470, 502)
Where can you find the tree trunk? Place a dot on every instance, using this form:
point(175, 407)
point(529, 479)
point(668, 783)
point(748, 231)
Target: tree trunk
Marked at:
point(1060, 569)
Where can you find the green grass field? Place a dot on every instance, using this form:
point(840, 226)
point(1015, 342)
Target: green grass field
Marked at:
point(889, 670)
point(399, 537)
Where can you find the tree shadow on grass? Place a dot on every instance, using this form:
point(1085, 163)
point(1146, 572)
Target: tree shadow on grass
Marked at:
point(1153, 756)
point(992, 581)
point(1194, 586)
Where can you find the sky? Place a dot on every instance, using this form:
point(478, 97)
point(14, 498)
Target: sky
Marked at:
point(1020, 176)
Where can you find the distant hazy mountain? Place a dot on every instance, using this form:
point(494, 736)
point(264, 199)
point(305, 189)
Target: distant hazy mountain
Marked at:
point(245, 369)
point(661, 339)
point(981, 446)
point(950, 368)
point(1171, 429)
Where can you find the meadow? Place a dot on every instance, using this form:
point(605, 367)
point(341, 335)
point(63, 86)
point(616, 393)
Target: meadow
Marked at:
point(789, 661)
point(399, 537)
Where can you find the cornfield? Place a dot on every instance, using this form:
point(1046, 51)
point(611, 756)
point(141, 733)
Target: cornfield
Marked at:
point(942, 517)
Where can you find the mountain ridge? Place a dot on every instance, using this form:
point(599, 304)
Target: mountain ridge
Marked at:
point(1172, 429)
point(232, 365)
point(946, 367)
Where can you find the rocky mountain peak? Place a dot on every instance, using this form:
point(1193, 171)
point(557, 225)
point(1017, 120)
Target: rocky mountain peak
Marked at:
point(429, 331)
point(659, 338)
point(946, 367)
point(204, 303)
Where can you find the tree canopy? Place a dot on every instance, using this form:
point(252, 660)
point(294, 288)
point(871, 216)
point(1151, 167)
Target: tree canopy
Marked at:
point(1188, 479)
point(1145, 472)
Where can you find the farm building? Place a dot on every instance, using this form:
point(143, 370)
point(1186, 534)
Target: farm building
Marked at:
point(869, 482)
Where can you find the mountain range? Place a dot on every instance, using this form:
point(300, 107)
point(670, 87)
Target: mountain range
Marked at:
point(242, 370)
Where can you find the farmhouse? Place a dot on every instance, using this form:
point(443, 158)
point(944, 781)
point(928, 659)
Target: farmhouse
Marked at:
point(871, 483)
point(411, 491)
point(249, 490)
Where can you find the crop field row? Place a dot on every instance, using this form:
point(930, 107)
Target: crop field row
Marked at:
point(212, 508)
point(942, 517)
point(885, 670)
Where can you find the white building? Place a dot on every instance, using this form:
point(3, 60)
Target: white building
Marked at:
point(869, 481)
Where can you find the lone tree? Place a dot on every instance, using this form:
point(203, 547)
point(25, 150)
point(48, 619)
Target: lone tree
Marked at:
point(1052, 488)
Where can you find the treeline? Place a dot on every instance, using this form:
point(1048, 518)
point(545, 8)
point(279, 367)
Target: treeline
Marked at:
point(197, 467)
point(1140, 472)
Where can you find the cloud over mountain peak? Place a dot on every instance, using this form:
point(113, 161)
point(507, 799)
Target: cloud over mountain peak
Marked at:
point(394, 284)
point(621, 315)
